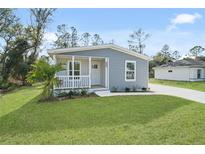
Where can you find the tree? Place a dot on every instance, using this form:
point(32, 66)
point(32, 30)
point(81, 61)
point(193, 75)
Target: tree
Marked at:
point(97, 40)
point(165, 51)
point(16, 65)
point(74, 37)
point(7, 18)
point(176, 55)
point(10, 30)
point(161, 57)
point(196, 50)
point(137, 39)
point(40, 18)
point(63, 37)
point(42, 71)
point(85, 38)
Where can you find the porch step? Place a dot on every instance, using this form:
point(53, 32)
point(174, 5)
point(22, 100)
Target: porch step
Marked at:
point(102, 93)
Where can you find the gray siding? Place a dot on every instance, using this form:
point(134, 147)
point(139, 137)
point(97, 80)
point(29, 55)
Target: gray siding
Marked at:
point(117, 68)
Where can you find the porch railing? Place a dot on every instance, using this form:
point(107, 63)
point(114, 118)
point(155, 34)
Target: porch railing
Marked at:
point(71, 82)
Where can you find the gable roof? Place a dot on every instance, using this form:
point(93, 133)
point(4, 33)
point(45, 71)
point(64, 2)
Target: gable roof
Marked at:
point(52, 52)
point(185, 63)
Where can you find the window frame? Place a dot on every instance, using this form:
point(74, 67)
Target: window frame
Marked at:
point(68, 66)
point(126, 62)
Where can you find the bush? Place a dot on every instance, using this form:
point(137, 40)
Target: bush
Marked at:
point(8, 86)
point(76, 92)
point(127, 89)
point(144, 89)
point(63, 94)
point(84, 92)
point(70, 94)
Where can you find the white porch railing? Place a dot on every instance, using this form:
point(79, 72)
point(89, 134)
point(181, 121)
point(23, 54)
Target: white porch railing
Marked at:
point(71, 82)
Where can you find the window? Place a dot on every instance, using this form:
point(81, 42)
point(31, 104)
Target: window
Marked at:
point(169, 71)
point(198, 73)
point(95, 66)
point(130, 70)
point(76, 68)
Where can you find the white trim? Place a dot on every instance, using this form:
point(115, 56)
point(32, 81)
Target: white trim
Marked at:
point(130, 61)
point(79, 56)
point(108, 76)
point(106, 72)
point(89, 69)
point(52, 52)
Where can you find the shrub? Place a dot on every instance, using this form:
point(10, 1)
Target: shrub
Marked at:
point(127, 89)
point(70, 94)
point(76, 92)
point(63, 94)
point(144, 89)
point(84, 92)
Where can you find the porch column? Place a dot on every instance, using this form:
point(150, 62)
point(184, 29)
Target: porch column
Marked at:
point(73, 60)
point(89, 72)
point(106, 72)
point(54, 59)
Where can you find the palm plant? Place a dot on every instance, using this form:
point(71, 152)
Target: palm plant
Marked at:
point(44, 72)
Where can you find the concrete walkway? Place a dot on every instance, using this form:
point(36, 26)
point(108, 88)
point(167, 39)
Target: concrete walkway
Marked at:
point(162, 90)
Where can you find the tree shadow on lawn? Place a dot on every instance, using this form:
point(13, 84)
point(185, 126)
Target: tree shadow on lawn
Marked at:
point(86, 113)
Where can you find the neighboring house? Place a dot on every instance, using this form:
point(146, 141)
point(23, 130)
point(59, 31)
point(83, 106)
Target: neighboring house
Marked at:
point(101, 67)
point(181, 70)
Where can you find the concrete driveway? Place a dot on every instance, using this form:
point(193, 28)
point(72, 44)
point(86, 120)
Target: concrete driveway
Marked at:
point(179, 92)
point(156, 89)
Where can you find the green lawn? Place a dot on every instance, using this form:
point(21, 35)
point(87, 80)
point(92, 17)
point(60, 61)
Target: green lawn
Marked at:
point(199, 85)
point(109, 120)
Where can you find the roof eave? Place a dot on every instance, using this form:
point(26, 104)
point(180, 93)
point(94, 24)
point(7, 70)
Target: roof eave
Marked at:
point(51, 52)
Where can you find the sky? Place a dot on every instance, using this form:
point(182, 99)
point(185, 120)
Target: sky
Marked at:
point(181, 29)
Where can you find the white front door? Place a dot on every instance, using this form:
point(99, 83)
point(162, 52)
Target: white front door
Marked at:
point(95, 73)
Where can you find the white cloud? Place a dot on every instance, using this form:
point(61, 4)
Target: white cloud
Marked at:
point(49, 37)
point(183, 19)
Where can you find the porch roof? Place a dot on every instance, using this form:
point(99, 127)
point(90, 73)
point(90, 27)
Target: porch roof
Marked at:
point(52, 52)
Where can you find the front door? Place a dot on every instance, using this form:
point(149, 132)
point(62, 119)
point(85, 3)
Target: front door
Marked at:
point(95, 73)
point(199, 74)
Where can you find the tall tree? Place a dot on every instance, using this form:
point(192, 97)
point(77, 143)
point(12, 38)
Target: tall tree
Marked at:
point(161, 57)
point(7, 18)
point(137, 39)
point(10, 29)
point(74, 37)
point(196, 50)
point(40, 17)
point(16, 62)
point(97, 40)
point(176, 55)
point(63, 37)
point(85, 38)
point(166, 51)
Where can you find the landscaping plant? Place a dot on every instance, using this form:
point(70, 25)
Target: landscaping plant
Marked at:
point(44, 72)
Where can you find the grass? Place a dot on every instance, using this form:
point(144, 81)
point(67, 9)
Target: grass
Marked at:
point(153, 119)
point(197, 85)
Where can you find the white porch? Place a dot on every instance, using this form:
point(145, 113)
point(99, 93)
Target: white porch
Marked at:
point(83, 72)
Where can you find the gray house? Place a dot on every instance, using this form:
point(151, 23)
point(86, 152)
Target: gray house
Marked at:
point(102, 67)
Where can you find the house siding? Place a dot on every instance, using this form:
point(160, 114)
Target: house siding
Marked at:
point(178, 73)
point(117, 68)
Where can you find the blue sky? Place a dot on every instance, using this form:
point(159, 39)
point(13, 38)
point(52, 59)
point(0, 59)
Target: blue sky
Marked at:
point(181, 29)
